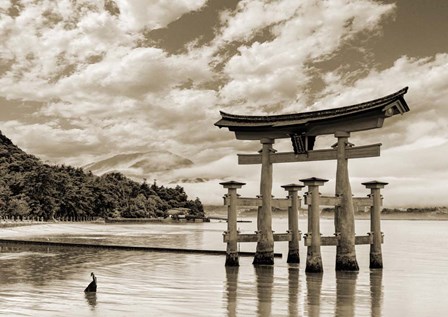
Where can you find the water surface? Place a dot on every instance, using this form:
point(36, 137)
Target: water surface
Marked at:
point(41, 281)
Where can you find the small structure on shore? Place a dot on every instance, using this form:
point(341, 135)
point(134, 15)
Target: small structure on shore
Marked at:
point(303, 129)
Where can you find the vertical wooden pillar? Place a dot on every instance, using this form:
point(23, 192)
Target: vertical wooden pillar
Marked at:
point(265, 246)
point(376, 258)
point(344, 214)
point(314, 259)
point(232, 244)
point(293, 222)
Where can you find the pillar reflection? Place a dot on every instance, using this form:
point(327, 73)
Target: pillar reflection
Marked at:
point(265, 281)
point(314, 288)
point(376, 292)
point(231, 289)
point(293, 290)
point(345, 293)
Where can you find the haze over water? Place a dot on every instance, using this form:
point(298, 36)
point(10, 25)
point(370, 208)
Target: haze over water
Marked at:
point(41, 281)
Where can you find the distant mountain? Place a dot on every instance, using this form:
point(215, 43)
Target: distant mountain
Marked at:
point(139, 164)
point(190, 180)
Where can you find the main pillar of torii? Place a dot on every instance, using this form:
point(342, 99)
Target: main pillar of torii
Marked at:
point(302, 129)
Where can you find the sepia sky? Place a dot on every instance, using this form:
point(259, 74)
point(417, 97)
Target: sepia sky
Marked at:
point(85, 80)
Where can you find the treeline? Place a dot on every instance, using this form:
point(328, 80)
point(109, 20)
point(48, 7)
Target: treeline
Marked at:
point(31, 188)
point(413, 210)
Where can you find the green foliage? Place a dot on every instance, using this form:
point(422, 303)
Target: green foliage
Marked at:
point(30, 188)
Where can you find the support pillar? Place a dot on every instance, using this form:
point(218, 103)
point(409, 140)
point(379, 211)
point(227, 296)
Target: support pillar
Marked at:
point(314, 258)
point(376, 258)
point(265, 246)
point(293, 222)
point(232, 258)
point(344, 214)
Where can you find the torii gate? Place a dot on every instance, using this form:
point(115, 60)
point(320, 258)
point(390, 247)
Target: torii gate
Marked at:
point(302, 129)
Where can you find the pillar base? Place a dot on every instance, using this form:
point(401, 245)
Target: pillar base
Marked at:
point(346, 263)
point(264, 258)
point(376, 261)
point(232, 259)
point(314, 264)
point(293, 256)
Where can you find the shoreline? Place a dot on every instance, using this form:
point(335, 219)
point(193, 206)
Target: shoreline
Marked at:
point(407, 216)
point(396, 215)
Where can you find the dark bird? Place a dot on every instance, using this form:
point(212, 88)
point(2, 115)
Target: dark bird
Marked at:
point(92, 286)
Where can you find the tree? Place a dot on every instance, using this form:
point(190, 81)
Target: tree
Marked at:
point(18, 206)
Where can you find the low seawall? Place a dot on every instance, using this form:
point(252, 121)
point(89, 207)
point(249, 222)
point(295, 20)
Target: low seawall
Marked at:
point(121, 247)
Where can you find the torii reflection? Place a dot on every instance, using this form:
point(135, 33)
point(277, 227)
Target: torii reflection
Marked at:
point(313, 294)
point(376, 292)
point(231, 289)
point(265, 281)
point(345, 293)
point(293, 289)
point(316, 299)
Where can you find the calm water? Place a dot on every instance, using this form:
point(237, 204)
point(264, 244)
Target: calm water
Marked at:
point(40, 281)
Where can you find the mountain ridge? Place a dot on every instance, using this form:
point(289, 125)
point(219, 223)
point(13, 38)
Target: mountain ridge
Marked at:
point(139, 163)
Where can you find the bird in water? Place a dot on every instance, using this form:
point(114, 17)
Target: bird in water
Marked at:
point(92, 286)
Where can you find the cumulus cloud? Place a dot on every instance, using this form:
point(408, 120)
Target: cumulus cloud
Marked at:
point(138, 14)
point(428, 90)
point(99, 87)
point(278, 71)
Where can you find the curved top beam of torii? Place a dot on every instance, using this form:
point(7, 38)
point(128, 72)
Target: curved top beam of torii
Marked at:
point(363, 116)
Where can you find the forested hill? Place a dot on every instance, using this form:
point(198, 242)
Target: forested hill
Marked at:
point(29, 187)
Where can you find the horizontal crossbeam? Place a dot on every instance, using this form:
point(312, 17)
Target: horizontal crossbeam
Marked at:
point(315, 155)
point(281, 203)
point(253, 237)
point(336, 201)
point(333, 240)
point(324, 200)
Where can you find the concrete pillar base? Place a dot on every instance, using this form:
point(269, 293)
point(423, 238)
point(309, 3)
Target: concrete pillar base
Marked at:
point(376, 261)
point(232, 259)
point(264, 258)
point(346, 263)
point(293, 256)
point(314, 264)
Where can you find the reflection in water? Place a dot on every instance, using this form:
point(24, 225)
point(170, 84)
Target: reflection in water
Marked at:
point(231, 289)
point(345, 293)
point(91, 299)
point(37, 280)
point(316, 299)
point(40, 264)
point(265, 280)
point(314, 287)
point(293, 290)
point(376, 292)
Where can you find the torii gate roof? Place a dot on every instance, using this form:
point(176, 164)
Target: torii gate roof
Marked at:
point(363, 116)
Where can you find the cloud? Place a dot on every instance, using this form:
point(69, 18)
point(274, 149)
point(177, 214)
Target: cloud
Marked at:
point(57, 141)
point(138, 14)
point(277, 71)
point(99, 87)
point(427, 79)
